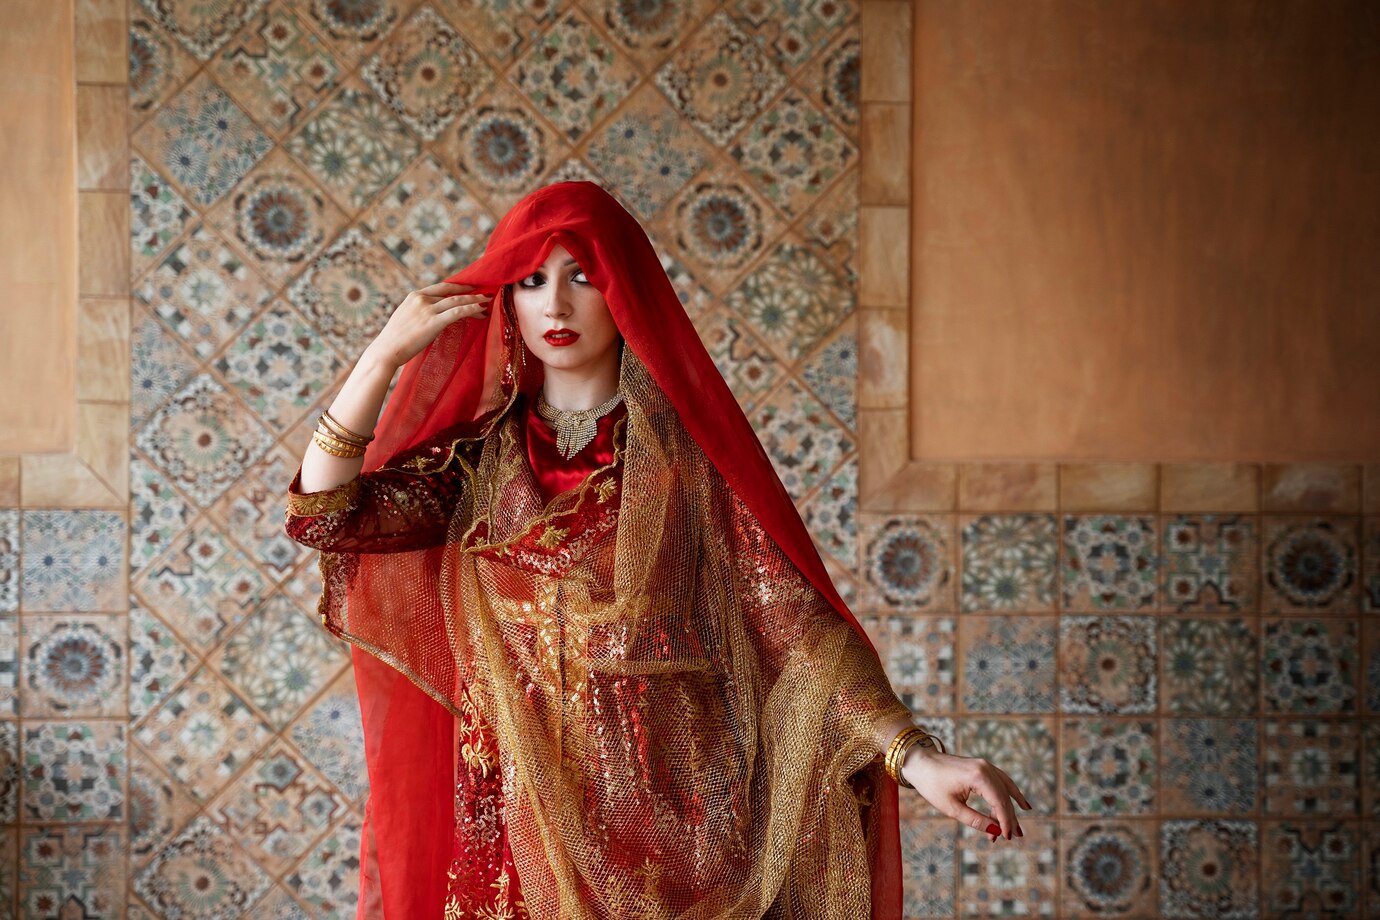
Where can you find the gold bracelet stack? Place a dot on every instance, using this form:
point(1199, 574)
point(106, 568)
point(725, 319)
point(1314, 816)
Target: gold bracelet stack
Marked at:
point(901, 745)
point(337, 440)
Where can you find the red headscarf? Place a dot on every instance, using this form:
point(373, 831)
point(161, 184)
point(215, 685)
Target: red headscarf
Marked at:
point(458, 379)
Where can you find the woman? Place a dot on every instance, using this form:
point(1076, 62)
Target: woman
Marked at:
point(606, 675)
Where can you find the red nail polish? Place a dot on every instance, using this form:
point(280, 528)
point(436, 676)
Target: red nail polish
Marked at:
point(994, 829)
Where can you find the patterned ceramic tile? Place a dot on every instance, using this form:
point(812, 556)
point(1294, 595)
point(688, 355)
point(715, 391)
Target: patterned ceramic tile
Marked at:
point(1008, 664)
point(834, 80)
point(9, 772)
point(157, 661)
point(280, 658)
point(331, 734)
point(1309, 666)
point(1024, 749)
point(354, 146)
point(277, 808)
point(1311, 768)
point(202, 140)
point(831, 228)
point(829, 513)
point(793, 299)
point(279, 218)
point(203, 439)
point(721, 225)
point(9, 666)
point(1370, 566)
point(157, 512)
point(1371, 663)
point(832, 372)
point(427, 73)
point(157, 66)
point(1008, 562)
point(201, 873)
point(1003, 880)
point(1109, 767)
point(279, 365)
point(1311, 870)
point(73, 771)
point(918, 655)
point(646, 154)
point(157, 216)
point(279, 905)
point(203, 291)
point(73, 560)
point(573, 76)
point(929, 848)
point(1209, 667)
point(748, 366)
point(253, 511)
point(202, 586)
point(793, 152)
point(693, 296)
point(1209, 766)
point(648, 31)
point(1109, 868)
point(158, 365)
point(1370, 866)
point(158, 808)
point(908, 562)
point(1370, 778)
point(277, 68)
point(9, 559)
point(1108, 665)
point(200, 27)
point(1310, 564)
point(202, 734)
point(353, 26)
point(430, 222)
point(327, 881)
point(75, 872)
point(349, 291)
point(720, 79)
point(1209, 869)
point(502, 148)
point(1210, 563)
point(804, 443)
point(1109, 562)
point(500, 29)
point(793, 31)
point(73, 666)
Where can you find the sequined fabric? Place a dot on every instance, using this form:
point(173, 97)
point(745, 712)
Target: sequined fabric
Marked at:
point(659, 715)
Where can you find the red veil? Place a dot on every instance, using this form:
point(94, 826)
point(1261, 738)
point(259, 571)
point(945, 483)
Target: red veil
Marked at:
point(460, 378)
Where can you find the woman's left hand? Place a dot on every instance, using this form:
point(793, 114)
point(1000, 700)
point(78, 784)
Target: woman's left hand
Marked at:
point(947, 781)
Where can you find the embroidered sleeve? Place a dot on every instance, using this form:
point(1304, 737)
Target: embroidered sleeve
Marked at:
point(404, 505)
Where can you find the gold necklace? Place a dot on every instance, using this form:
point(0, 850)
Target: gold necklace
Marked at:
point(575, 428)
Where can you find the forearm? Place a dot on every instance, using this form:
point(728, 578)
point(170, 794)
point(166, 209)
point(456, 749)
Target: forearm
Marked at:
point(356, 407)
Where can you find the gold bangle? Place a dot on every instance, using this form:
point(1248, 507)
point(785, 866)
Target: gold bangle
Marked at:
point(900, 746)
point(326, 426)
point(336, 447)
point(331, 420)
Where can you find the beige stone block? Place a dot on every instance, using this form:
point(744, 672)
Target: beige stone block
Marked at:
point(102, 137)
point(103, 243)
point(95, 475)
point(9, 482)
point(883, 359)
point(103, 349)
point(883, 256)
point(883, 445)
point(102, 41)
point(887, 48)
point(885, 157)
point(1008, 487)
point(1370, 489)
point(1209, 487)
point(1107, 487)
point(1310, 487)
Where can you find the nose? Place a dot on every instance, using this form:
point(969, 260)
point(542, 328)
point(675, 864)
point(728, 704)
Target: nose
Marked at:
point(557, 300)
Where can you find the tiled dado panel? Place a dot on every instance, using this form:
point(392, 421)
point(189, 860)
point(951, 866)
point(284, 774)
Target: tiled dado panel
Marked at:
point(1179, 664)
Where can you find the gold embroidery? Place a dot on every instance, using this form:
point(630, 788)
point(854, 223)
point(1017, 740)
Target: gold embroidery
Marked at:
point(552, 536)
point(310, 504)
point(606, 489)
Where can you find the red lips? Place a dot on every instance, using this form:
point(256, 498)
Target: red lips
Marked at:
point(560, 336)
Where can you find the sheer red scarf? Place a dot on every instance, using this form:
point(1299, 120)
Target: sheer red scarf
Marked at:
point(465, 376)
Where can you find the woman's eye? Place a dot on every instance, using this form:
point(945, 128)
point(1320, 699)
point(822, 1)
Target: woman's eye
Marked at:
point(534, 278)
point(579, 276)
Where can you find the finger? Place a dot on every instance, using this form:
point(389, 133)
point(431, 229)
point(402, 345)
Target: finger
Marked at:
point(444, 288)
point(462, 300)
point(1015, 791)
point(1000, 804)
point(974, 819)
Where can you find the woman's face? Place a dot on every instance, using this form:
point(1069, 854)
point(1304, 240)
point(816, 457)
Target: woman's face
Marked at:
point(563, 318)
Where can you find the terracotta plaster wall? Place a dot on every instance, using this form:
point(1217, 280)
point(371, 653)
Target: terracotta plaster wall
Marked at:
point(1146, 230)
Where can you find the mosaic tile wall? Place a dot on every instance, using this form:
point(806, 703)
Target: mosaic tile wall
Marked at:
point(1184, 696)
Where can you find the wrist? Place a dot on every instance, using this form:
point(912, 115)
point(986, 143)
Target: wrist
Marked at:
point(373, 362)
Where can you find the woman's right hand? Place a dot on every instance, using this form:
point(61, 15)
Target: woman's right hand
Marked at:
point(421, 317)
